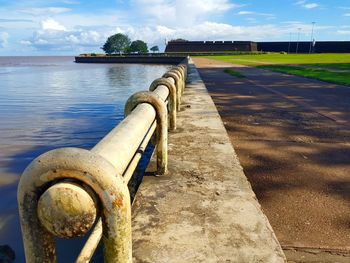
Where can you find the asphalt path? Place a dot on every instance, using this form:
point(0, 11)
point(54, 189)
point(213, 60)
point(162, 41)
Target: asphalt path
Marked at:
point(292, 136)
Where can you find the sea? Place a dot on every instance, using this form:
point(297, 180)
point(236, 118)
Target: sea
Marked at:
point(52, 102)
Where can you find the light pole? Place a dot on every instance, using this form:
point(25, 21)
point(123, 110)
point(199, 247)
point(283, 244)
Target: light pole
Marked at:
point(290, 39)
point(296, 51)
point(312, 36)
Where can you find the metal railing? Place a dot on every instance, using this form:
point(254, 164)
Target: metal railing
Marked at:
point(65, 192)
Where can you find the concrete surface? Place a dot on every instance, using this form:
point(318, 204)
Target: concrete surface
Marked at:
point(292, 136)
point(204, 210)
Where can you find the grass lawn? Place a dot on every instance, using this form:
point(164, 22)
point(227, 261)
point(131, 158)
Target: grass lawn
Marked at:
point(341, 66)
point(273, 59)
point(342, 78)
point(323, 67)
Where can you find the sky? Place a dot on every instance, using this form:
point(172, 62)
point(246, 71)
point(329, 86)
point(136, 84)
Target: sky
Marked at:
point(71, 27)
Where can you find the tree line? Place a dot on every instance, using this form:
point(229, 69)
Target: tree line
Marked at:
point(121, 43)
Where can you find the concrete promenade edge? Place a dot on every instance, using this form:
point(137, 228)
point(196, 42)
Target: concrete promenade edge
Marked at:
point(204, 210)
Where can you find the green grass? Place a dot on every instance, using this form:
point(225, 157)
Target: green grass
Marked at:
point(342, 78)
point(234, 73)
point(322, 67)
point(341, 66)
point(273, 59)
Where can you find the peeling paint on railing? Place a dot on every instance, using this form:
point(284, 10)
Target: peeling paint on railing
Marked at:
point(63, 192)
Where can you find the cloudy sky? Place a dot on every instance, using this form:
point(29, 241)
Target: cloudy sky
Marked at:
point(69, 27)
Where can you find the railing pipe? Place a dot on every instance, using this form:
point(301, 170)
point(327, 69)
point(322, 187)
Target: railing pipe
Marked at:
point(133, 164)
point(91, 244)
point(96, 180)
point(162, 123)
point(120, 145)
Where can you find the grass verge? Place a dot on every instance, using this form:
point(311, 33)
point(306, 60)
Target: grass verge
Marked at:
point(283, 59)
point(342, 78)
point(333, 68)
point(234, 73)
point(340, 66)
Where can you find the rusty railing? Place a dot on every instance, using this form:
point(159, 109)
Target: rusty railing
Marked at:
point(65, 192)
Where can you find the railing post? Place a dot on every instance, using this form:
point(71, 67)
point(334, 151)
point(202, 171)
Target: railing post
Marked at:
point(178, 85)
point(162, 124)
point(172, 98)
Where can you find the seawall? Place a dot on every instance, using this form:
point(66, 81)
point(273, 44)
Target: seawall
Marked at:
point(204, 210)
point(172, 60)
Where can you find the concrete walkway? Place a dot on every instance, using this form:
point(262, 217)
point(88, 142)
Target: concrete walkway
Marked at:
point(204, 210)
point(292, 137)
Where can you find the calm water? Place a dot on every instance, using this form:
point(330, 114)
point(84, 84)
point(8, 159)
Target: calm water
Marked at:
point(51, 102)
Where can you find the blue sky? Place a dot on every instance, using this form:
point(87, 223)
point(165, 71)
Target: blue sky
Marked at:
point(70, 27)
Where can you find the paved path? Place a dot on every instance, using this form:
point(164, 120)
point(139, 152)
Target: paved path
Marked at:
point(204, 209)
point(292, 137)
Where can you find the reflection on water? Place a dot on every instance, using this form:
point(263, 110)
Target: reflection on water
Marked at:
point(51, 102)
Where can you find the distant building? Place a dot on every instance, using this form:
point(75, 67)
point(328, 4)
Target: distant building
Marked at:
point(183, 46)
point(209, 46)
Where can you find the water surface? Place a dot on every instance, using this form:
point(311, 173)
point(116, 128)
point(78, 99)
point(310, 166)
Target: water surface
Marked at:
point(51, 102)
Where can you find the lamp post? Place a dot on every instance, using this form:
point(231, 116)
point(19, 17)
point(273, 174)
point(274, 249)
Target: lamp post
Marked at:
point(290, 39)
point(296, 51)
point(312, 36)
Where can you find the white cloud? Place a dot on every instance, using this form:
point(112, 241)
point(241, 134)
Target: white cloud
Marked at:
point(54, 36)
point(307, 5)
point(44, 10)
point(347, 14)
point(311, 5)
point(4, 36)
point(245, 13)
point(207, 31)
point(255, 13)
point(156, 21)
point(51, 24)
point(180, 12)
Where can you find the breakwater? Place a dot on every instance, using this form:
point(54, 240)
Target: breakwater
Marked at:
point(133, 59)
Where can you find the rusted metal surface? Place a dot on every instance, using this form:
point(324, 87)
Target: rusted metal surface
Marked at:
point(62, 192)
point(162, 123)
point(180, 71)
point(66, 210)
point(90, 169)
point(172, 98)
point(177, 80)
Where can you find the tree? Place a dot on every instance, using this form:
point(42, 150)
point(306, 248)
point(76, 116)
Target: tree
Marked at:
point(138, 46)
point(117, 43)
point(155, 49)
